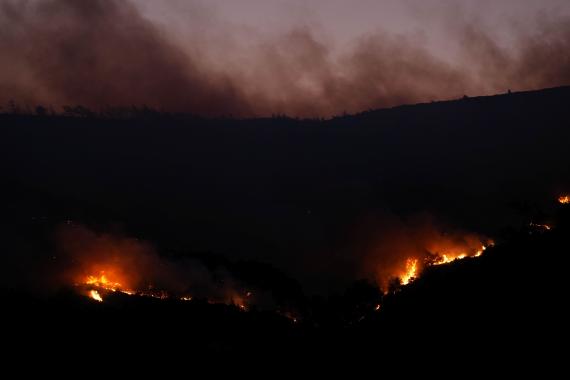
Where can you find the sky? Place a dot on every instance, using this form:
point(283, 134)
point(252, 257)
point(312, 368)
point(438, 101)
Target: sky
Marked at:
point(257, 58)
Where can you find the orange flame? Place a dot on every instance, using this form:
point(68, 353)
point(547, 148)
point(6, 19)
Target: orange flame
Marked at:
point(95, 295)
point(102, 281)
point(480, 251)
point(95, 286)
point(449, 258)
point(445, 259)
point(411, 271)
point(564, 199)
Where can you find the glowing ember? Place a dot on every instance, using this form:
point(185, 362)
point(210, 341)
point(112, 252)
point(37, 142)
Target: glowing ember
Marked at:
point(95, 295)
point(411, 271)
point(545, 227)
point(564, 199)
point(377, 307)
point(158, 294)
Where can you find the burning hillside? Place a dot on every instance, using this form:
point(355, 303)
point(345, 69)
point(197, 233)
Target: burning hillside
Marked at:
point(398, 249)
point(411, 271)
point(413, 266)
point(99, 264)
point(97, 287)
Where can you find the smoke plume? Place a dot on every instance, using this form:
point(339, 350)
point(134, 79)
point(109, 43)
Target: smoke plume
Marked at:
point(135, 265)
point(103, 53)
point(390, 241)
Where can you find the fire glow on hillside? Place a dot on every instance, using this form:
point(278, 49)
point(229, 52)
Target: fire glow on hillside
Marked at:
point(112, 280)
point(96, 286)
point(412, 270)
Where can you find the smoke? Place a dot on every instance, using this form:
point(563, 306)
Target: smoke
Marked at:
point(129, 264)
point(538, 58)
point(136, 266)
point(393, 240)
point(106, 53)
point(101, 53)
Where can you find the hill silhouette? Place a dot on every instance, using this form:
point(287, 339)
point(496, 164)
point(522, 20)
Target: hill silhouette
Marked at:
point(287, 207)
point(292, 191)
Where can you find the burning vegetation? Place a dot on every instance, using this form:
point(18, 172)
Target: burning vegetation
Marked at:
point(412, 269)
point(98, 285)
point(102, 281)
point(449, 255)
point(399, 249)
point(95, 295)
point(101, 264)
point(105, 264)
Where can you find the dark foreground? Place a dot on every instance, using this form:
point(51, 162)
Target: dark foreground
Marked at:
point(511, 299)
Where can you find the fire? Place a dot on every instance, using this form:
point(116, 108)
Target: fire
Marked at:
point(102, 281)
point(95, 295)
point(448, 258)
point(240, 301)
point(411, 271)
point(444, 259)
point(564, 199)
point(106, 281)
point(480, 251)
